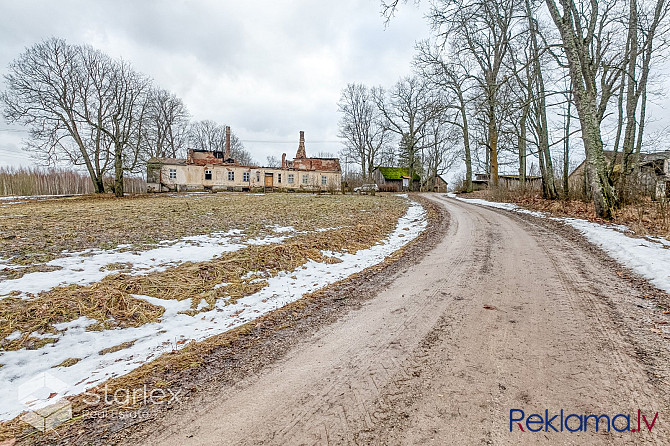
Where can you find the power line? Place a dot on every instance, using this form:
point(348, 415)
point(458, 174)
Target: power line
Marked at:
point(288, 142)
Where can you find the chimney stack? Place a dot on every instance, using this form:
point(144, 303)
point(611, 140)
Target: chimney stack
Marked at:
point(301, 147)
point(283, 161)
point(226, 155)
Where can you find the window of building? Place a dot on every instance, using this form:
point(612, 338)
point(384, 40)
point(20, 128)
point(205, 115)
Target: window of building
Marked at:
point(173, 174)
point(305, 179)
point(231, 175)
point(258, 177)
point(208, 174)
point(278, 178)
point(324, 180)
point(245, 177)
point(290, 178)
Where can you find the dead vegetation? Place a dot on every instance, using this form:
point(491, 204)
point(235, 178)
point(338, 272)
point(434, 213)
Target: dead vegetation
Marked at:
point(186, 360)
point(357, 222)
point(39, 231)
point(116, 348)
point(643, 216)
point(35, 318)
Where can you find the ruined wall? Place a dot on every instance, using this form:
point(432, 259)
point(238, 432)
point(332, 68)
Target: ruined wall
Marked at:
point(202, 158)
point(326, 164)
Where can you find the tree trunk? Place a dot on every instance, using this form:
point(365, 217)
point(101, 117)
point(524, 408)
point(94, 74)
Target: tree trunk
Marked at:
point(602, 191)
point(522, 146)
point(466, 145)
point(631, 107)
point(566, 151)
point(547, 168)
point(118, 170)
point(493, 146)
point(583, 86)
point(643, 117)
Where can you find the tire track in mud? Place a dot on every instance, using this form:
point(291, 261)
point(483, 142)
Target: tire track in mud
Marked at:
point(362, 386)
point(500, 314)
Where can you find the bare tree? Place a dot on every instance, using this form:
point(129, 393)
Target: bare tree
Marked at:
point(45, 91)
point(645, 26)
point(120, 112)
point(91, 110)
point(407, 110)
point(167, 125)
point(438, 155)
point(240, 154)
point(208, 135)
point(361, 128)
point(538, 95)
point(586, 33)
point(272, 161)
point(452, 77)
point(483, 30)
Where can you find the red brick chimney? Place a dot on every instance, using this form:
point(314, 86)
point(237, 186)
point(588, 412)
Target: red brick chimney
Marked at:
point(283, 161)
point(226, 155)
point(301, 147)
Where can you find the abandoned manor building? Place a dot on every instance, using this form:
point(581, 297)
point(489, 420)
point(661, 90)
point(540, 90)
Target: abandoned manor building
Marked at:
point(217, 171)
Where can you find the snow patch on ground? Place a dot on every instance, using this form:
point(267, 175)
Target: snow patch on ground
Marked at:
point(175, 328)
point(649, 257)
point(494, 204)
point(16, 199)
point(92, 265)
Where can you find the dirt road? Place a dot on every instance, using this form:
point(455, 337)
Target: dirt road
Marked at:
point(505, 313)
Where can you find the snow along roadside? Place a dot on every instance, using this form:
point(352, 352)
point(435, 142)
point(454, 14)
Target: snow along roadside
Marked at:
point(647, 257)
point(175, 329)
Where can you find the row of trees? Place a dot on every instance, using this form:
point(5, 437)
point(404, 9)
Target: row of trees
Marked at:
point(406, 125)
point(511, 74)
point(84, 108)
point(30, 181)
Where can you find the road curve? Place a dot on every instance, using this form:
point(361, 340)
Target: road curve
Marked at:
point(504, 313)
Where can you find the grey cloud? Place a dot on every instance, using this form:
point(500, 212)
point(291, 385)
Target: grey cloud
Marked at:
point(268, 68)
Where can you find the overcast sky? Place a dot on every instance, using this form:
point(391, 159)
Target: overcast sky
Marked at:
point(267, 68)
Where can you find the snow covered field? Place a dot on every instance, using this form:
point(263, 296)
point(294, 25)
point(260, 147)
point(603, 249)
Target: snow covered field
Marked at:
point(174, 328)
point(92, 265)
point(649, 258)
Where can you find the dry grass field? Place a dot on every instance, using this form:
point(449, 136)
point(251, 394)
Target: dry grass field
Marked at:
point(73, 267)
point(34, 233)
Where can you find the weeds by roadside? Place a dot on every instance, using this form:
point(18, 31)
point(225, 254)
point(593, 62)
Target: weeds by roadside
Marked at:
point(643, 216)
